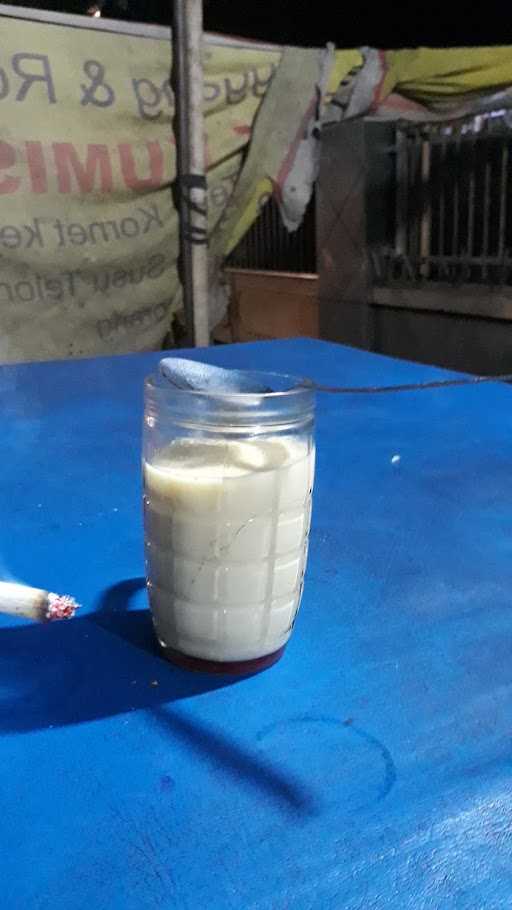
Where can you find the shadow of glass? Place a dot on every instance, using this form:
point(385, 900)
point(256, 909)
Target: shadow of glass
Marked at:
point(106, 663)
point(285, 790)
point(114, 616)
point(98, 665)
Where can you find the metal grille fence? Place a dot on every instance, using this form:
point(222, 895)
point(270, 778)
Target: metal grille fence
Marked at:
point(268, 246)
point(453, 204)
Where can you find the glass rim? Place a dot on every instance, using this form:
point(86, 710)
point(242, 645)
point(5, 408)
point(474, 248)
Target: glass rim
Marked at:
point(157, 383)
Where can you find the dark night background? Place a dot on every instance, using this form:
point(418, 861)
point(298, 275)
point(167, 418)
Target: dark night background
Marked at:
point(386, 25)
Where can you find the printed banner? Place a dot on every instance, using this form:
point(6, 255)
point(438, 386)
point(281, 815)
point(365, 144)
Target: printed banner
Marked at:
point(88, 230)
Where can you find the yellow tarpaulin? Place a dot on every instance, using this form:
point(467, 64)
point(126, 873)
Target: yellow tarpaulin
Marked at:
point(429, 75)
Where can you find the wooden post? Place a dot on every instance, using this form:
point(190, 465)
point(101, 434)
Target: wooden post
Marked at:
point(187, 41)
point(354, 196)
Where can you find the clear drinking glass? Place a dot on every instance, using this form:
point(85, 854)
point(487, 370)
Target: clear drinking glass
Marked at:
point(228, 479)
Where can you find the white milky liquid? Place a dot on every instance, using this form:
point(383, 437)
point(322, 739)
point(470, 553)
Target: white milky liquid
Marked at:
point(227, 527)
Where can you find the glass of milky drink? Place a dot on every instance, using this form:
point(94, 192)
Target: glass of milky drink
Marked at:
point(228, 478)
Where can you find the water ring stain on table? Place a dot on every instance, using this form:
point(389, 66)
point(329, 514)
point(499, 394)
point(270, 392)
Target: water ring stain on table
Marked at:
point(356, 756)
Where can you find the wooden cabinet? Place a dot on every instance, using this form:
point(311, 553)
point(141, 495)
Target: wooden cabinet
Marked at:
point(272, 305)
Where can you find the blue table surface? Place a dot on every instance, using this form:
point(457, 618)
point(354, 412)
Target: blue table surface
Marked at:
point(369, 769)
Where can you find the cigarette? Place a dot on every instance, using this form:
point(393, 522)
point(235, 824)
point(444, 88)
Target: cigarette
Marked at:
point(35, 603)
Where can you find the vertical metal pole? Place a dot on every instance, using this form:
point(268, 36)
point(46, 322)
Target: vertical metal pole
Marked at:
point(503, 208)
point(487, 208)
point(455, 226)
point(426, 213)
point(417, 201)
point(402, 192)
point(471, 200)
point(442, 191)
point(187, 39)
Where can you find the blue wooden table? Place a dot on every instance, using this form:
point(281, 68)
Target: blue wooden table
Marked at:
point(369, 769)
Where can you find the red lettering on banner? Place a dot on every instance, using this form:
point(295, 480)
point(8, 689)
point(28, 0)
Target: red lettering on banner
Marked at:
point(156, 166)
point(36, 167)
point(68, 164)
point(8, 184)
point(87, 169)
